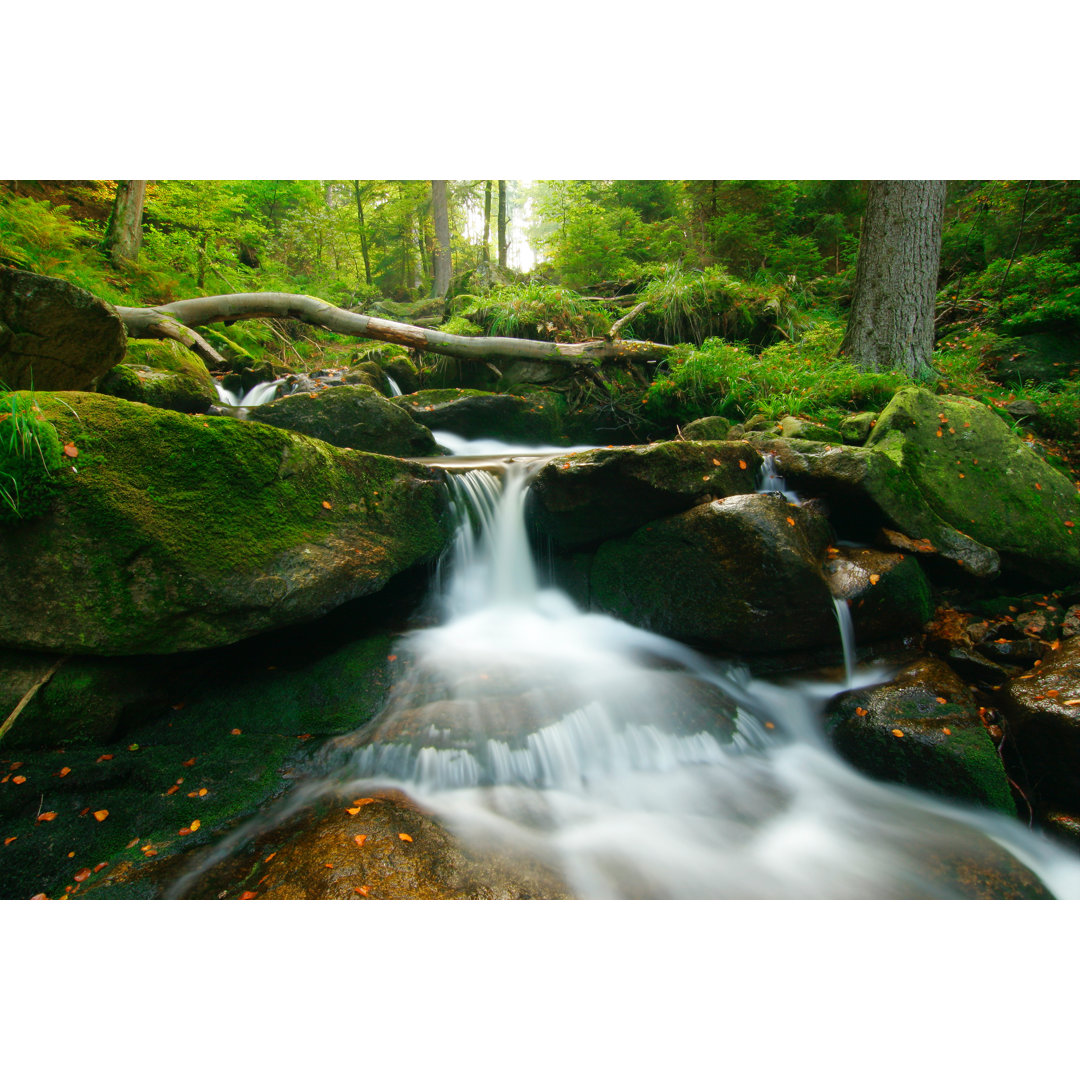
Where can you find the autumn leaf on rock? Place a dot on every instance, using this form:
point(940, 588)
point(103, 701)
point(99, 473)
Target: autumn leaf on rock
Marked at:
point(18, 779)
point(100, 815)
point(251, 895)
point(360, 838)
point(64, 771)
point(83, 874)
point(406, 837)
point(71, 450)
point(49, 815)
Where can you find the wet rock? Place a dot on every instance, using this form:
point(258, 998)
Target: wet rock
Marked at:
point(477, 414)
point(887, 594)
point(357, 417)
point(795, 427)
point(175, 533)
point(741, 573)
point(592, 496)
point(53, 335)
point(707, 429)
point(1042, 711)
point(923, 728)
point(163, 374)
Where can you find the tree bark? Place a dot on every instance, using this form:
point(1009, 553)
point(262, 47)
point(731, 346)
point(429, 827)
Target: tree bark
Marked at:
point(891, 325)
point(124, 237)
point(175, 321)
point(440, 211)
point(503, 245)
point(363, 231)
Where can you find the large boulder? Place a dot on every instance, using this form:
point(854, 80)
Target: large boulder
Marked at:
point(477, 414)
point(164, 374)
point(922, 728)
point(357, 417)
point(172, 532)
point(984, 481)
point(741, 574)
point(53, 335)
point(581, 499)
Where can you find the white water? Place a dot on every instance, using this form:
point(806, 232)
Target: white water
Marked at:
point(632, 764)
point(259, 394)
point(395, 390)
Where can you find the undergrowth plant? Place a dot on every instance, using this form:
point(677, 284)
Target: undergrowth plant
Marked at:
point(540, 312)
point(29, 455)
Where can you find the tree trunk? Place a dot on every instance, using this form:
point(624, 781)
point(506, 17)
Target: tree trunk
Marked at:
point(503, 245)
point(487, 221)
point(124, 237)
point(891, 324)
point(363, 232)
point(176, 319)
point(440, 211)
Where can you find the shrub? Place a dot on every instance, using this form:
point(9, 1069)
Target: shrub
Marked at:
point(540, 312)
point(29, 454)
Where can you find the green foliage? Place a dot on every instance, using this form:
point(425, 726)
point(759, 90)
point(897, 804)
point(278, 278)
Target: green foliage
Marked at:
point(803, 378)
point(540, 312)
point(690, 306)
point(29, 454)
point(461, 326)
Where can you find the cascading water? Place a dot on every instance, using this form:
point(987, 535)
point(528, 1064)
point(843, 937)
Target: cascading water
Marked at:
point(634, 765)
point(391, 382)
point(259, 394)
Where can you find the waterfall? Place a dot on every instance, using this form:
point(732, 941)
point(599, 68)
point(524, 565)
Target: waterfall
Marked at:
point(259, 394)
point(636, 766)
point(395, 390)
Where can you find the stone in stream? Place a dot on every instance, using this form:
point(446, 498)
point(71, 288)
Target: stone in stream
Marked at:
point(164, 374)
point(741, 574)
point(922, 728)
point(357, 417)
point(887, 593)
point(477, 414)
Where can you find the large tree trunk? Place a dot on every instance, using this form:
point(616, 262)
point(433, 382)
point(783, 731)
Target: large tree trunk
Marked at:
point(503, 245)
point(175, 321)
point(486, 255)
point(891, 324)
point(440, 211)
point(124, 236)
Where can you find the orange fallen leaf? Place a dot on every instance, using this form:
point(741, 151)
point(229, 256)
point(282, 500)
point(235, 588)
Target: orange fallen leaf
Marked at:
point(173, 790)
point(202, 792)
point(64, 771)
point(362, 890)
point(18, 779)
point(49, 815)
point(742, 464)
point(360, 838)
point(791, 521)
point(100, 866)
point(948, 731)
point(392, 656)
point(705, 478)
point(251, 895)
point(149, 852)
point(875, 578)
point(71, 450)
point(105, 757)
point(860, 711)
point(406, 837)
point(100, 815)
point(195, 825)
point(270, 856)
point(897, 732)
point(1038, 486)
point(1068, 524)
point(941, 701)
point(236, 731)
point(352, 810)
point(131, 843)
point(39, 896)
point(183, 832)
point(715, 462)
point(1072, 701)
point(770, 725)
point(10, 840)
point(83, 874)
point(362, 802)
point(326, 505)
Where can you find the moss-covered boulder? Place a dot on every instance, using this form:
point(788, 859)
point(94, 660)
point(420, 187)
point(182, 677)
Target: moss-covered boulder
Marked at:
point(741, 574)
point(1042, 711)
point(707, 429)
point(54, 335)
point(984, 481)
point(171, 532)
point(164, 374)
point(923, 729)
point(358, 417)
point(583, 498)
point(477, 414)
point(855, 428)
point(887, 593)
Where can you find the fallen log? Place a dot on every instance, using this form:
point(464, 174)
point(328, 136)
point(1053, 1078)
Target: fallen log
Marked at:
point(176, 320)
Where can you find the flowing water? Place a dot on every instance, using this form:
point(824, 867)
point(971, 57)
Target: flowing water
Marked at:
point(633, 764)
point(259, 394)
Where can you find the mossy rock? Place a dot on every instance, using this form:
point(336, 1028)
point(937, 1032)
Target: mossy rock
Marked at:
point(171, 532)
point(596, 495)
point(358, 417)
point(855, 428)
point(887, 593)
point(708, 428)
point(163, 374)
point(477, 414)
point(741, 574)
point(921, 729)
point(977, 476)
point(795, 427)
